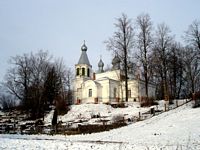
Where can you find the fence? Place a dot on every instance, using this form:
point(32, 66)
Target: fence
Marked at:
point(156, 110)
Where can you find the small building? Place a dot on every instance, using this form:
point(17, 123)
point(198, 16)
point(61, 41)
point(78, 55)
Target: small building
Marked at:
point(106, 86)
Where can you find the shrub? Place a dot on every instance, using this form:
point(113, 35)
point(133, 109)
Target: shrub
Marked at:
point(196, 98)
point(118, 105)
point(118, 118)
point(95, 115)
point(146, 102)
point(197, 95)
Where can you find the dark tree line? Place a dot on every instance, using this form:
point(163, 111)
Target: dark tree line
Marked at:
point(173, 66)
point(38, 82)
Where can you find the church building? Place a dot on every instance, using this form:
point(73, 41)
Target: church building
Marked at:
point(105, 86)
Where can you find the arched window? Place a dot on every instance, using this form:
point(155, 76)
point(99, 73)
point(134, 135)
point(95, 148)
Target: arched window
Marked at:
point(88, 72)
point(77, 71)
point(83, 71)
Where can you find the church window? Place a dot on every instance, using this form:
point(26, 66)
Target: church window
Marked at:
point(77, 71)
point(129, 93)
point(90, 93)
point(83, 71)
point(88, 72)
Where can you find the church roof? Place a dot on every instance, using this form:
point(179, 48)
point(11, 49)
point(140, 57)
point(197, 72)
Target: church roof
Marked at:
point(84, 58)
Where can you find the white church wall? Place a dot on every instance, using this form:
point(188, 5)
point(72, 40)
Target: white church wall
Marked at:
point(142, 89)
point(151, 89)
point(104, 93)
point(133, 86)
point(77, 86)
point(114, 85)
point(107, 90)
point(89, 86)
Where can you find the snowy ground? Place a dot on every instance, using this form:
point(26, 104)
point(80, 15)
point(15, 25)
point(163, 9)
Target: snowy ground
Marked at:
point(175, 129)
point(87, 111)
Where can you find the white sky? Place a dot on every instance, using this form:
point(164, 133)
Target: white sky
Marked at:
point(60, 26)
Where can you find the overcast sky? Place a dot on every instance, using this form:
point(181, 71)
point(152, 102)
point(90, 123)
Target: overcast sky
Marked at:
point(61, 26)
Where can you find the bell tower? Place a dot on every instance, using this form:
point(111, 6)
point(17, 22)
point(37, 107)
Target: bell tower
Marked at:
point(83, 68)
point(83, 71)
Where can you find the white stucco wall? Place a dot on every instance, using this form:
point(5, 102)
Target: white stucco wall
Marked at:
point(104, 96)
point(87, 85)
point(133, 86)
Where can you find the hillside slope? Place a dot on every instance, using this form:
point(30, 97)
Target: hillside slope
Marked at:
point(176, 129)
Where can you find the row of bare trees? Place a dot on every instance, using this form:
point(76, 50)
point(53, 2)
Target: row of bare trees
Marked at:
point(172, 66)
point(37, 82)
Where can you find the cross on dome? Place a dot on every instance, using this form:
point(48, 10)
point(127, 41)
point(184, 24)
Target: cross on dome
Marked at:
point(84, 47)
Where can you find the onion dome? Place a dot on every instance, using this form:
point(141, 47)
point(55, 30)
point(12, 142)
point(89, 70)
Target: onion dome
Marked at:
point(84, 58)
point(116, 60)
point(100, 64)
point(84, 47)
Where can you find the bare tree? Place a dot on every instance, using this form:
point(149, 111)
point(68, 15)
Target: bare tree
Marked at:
point(192, 69)
point(192, 35)
point(18, 77)
point(162, 44)
point(26, 78)
point(121, 43)
point(175, 70)
point(33, 78)
point(68, 83)
point(192, 55)
point(66, 77)
point(144, 45)
point(52, 86)
point(40, 64)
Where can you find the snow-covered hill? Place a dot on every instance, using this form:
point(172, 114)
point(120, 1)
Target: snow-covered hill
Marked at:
point(87, 111)
point(176, 129)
